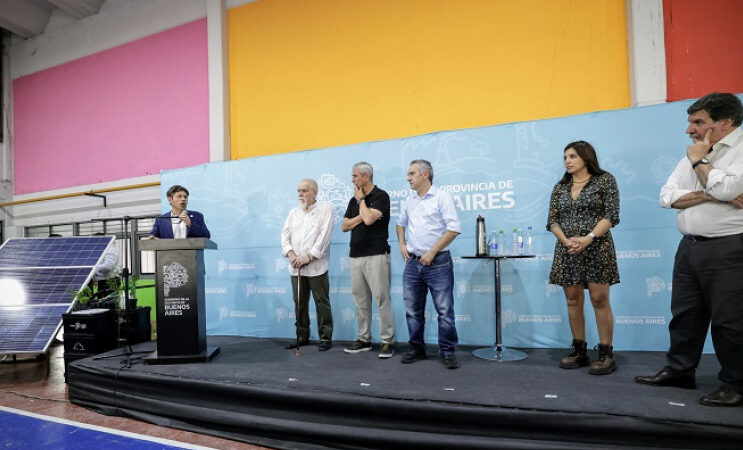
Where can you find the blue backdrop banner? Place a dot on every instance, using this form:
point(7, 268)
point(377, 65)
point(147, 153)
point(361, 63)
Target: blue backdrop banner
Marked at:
point(504, 173)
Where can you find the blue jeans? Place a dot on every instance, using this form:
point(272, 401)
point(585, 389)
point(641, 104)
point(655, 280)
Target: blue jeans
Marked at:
point(438, 278)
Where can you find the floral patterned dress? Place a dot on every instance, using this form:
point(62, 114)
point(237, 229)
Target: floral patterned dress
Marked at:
point(597, 263)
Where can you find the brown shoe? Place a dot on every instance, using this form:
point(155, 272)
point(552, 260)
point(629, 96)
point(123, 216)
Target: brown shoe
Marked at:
point(579, 357)
point(606, 363)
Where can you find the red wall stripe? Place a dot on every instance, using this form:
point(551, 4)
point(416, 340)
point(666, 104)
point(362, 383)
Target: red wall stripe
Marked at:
point(703, 47)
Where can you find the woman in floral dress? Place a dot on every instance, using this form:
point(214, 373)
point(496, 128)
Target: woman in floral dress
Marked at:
point(583, 208)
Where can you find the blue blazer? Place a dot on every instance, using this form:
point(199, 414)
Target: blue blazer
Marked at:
point(163, 229)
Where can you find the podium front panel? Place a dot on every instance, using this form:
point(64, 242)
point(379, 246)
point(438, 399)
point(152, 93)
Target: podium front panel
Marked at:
point(181, 321)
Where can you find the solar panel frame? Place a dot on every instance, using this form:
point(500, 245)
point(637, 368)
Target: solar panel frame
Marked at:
point(52, 297)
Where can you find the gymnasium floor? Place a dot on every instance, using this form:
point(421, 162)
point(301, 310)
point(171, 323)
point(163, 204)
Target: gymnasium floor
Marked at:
point(36, 414)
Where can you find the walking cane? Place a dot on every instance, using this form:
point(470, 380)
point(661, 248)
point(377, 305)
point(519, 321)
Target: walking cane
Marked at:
point(296, 312)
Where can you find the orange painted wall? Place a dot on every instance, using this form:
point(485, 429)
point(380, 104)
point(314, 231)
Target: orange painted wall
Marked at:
point(318, 73)
point(704, 43)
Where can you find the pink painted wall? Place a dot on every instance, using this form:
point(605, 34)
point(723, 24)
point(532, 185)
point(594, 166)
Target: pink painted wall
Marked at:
point(129, 111)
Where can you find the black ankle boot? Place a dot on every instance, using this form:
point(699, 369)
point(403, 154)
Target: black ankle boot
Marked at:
point(606, 363)
point(579, 357)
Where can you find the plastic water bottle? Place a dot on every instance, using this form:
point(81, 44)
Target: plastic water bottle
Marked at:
point(529, 242)
point(521, 242)
point(501, 242)
point(493, 244)
point(515, 241)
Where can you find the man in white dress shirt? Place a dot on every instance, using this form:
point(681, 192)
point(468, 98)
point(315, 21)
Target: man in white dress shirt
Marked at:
point(706, 188)
point(427, 224)
point(305, 240)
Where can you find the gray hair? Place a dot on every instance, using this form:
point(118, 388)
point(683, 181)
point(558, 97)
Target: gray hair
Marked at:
point(309, 181)
point(424, 166)
point(364, 167)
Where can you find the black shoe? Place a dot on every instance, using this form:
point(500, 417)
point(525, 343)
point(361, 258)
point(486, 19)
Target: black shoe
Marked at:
point(415, 354)
point(387, 351)
point(666, 378)
point(724, 396)
point(324, 346)
point(295, 345)
point(450, 362)
point(358, 346)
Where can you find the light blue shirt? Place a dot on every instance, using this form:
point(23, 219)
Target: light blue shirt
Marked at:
point(427, 219)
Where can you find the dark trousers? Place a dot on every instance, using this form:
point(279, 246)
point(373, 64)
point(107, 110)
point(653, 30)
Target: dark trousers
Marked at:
point(708, 288)
point(320, 288)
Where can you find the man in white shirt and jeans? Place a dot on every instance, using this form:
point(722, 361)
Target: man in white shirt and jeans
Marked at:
point(427, 224)
point(706, 188)
point(305, 240)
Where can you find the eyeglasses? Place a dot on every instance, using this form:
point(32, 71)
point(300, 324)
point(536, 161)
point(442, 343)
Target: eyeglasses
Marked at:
point(175, 220)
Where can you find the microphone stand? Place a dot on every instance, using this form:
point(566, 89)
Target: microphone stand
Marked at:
point(125, 342)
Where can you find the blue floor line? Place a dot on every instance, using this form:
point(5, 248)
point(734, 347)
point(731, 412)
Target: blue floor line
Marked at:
point(21, 430)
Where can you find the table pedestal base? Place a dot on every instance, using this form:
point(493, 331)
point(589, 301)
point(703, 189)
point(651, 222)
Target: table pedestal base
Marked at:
point(499, 354)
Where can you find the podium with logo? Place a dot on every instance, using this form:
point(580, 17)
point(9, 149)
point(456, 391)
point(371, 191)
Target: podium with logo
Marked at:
point(180, 294)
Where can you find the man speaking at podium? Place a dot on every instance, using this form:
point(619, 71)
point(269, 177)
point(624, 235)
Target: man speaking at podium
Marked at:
point(179, 223)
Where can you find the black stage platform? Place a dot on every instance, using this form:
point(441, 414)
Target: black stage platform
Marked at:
point(257, 392)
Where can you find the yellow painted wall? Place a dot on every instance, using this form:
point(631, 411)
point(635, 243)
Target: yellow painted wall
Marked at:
point(318, 73)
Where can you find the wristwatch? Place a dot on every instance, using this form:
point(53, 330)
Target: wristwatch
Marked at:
point(593, 236)
point(701, 161)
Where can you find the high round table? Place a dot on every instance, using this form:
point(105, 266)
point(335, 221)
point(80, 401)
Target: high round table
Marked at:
point(498, 352)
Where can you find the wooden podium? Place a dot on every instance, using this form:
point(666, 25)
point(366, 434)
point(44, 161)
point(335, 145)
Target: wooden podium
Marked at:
point(180, 293)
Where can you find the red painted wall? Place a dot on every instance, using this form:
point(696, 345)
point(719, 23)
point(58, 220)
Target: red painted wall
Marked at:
point(704, 44)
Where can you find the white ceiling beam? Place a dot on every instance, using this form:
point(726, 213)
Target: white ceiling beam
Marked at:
point(26, 18)
point(78, 8)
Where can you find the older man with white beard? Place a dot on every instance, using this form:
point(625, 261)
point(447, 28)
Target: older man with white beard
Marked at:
point(305, 240)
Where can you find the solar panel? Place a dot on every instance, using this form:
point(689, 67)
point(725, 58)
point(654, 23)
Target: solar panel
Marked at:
point(48, 285)
point(29, 329)
point(37, 279)
point(53, 252)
